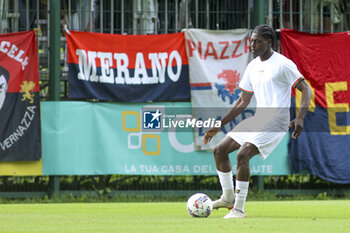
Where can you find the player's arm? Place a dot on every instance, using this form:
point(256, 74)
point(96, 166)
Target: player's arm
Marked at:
point(298, 122)
point(236, 109)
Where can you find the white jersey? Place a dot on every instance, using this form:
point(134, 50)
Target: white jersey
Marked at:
point(271, 82)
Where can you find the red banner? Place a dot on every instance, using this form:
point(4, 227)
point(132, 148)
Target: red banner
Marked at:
point(20, 138)
point(321, 58)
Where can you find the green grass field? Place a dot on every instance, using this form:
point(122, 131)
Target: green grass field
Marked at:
point(275, 216)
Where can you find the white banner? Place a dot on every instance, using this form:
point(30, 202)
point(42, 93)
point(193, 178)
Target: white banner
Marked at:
point(217, 61)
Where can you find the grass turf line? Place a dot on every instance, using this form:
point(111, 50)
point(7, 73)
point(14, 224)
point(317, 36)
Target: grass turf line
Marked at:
point(275, 216)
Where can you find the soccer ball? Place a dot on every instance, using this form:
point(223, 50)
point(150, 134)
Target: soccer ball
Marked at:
point(199, 205)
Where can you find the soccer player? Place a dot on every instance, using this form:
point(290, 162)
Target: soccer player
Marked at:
point(270, 77)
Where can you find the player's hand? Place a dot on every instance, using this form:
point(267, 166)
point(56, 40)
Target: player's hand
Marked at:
point(210, 133)
point(298, 124)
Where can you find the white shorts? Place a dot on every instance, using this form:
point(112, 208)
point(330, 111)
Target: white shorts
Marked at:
point(264, 135)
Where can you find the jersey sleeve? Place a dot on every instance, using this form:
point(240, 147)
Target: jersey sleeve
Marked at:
point(292, 74)
point(245, 83)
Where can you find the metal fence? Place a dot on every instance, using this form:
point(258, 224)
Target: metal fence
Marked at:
point(164, 16)
point(315, 16)
point(117, 17)
point(154, 16)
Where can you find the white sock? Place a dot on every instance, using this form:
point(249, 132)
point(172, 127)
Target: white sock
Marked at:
point(241, 194)
point(226, 182)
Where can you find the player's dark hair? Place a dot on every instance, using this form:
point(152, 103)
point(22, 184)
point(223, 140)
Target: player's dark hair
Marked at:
point(266, 31)
point(4, 72)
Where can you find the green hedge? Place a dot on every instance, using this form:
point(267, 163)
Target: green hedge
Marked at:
point(124, 182)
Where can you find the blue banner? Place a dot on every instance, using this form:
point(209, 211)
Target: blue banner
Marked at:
point(319, 152)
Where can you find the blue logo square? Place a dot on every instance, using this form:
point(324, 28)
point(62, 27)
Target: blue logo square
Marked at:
point(152, 119)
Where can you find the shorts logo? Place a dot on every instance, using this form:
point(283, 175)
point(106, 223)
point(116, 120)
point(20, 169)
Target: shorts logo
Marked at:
point(152, 119)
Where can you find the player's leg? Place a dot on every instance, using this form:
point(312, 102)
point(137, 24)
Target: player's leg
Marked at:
point(224, 170)
point(244, 154)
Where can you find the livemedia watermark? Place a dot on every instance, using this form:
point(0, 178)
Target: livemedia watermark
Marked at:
point(160, 118)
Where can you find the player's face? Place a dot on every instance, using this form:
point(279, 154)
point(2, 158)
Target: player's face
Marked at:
point(3, 89)
point(259, 45)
